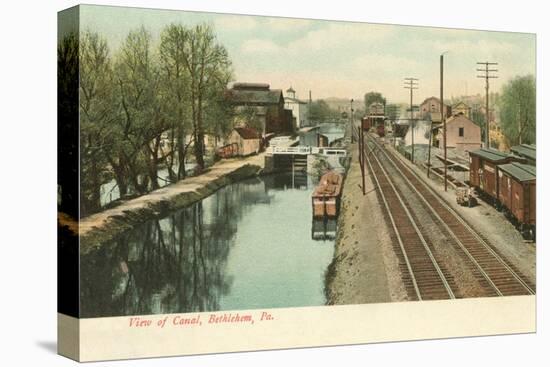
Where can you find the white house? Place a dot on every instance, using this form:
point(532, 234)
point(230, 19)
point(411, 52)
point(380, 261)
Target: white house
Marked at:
point(298, 107)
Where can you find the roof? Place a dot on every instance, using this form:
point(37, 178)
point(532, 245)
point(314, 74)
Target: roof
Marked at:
point(290, 90)
point(525, 150)
point(460, 117)
point(308, 129)
point(292, 99)
point(248, 133)
point(255, 96)
point(520, 171)
point(460, 103)
point(490, 154)
point(251, 86)
point(430, 98)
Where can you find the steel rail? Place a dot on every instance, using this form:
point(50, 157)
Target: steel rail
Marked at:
point(496, 256)
point(413, 223)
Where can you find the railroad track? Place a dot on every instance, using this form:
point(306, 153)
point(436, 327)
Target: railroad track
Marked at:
point(424, 278)
point(495, 273)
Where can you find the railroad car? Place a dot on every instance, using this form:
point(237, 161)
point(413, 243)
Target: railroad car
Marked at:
point(517, 195)
point(366, 123)
point(380, 130)
point(527, 151)
point(483, 171)
point(376, 108)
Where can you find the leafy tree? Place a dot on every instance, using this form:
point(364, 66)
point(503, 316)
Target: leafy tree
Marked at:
point(393, 111)
point(140, 115)
point(176, 95)
point(96, 117)
point(320, 111)
point(372, 97)
point(208, 66)
point(518, 110)
point(67, 109)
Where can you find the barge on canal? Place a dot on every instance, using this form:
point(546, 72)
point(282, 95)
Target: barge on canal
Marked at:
point(325, 200)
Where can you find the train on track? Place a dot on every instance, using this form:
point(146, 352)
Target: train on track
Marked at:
point(508, 181)
point(425, 272)
point(375, 119)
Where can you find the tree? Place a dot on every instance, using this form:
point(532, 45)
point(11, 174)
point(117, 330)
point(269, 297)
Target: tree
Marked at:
point(372, 97)
point(96, 117)
point(176, 94)
point(67, 115)
point(140, 117)
point(320, 111)
point(393, 111)
point(518, 110)
point(208, 66)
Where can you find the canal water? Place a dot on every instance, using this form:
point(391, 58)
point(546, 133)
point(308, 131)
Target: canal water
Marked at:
point(250, 245)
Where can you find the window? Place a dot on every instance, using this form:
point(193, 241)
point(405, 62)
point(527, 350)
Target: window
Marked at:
point(461, 131)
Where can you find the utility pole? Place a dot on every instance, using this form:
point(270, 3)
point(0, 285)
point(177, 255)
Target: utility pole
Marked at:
point(309, 109)
point(410, 84)
point(443, 119)
point(487, 75)
point(351, 116)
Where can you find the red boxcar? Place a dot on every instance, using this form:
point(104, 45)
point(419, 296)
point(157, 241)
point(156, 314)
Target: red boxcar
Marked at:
point(381, 131)
point(517, 195)
point(483, 170)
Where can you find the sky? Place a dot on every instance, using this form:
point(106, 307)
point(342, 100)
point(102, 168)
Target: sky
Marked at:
point(335, 58)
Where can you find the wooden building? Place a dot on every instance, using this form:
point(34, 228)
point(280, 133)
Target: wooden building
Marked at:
point(430, 109)
point(462, 108)
point(248, 140)
point(257, 101)
point(462, 134)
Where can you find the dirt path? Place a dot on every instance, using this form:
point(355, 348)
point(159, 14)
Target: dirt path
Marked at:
point(103, 226)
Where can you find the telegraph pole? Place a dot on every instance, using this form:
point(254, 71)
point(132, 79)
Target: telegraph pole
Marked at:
point(443, 119)
point(487, 75)
point(410, 84)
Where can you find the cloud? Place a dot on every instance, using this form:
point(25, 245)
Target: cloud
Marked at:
point(287, 24)
point(341, 35)
point(235, 23)
point(253, 46)
point(376, 63)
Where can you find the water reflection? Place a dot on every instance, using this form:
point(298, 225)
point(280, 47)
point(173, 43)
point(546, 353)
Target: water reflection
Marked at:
point(246, 246)
point(323, 229)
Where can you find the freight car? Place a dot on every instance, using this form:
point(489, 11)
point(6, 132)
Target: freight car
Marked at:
point(517, 195)
point(366, 123)
point(380, 130)
point(483, 171)
point(376, 108)
point(527, 151)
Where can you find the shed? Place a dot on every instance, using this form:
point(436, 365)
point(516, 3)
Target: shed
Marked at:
point(248, 140)
point(308, 136)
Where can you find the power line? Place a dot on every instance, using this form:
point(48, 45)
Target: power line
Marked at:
point(487, 75)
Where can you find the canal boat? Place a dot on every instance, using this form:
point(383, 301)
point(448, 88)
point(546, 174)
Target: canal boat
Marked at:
point(325, 199)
